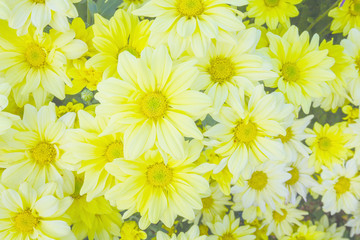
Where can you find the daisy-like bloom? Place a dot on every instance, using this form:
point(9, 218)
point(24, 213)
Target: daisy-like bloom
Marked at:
point(214, 204)
point(84, 34)
point(281, 220)
point(152, 103)
point(354, 223)
point(260, 232)
point(96, 153)
point(69, 107)
point(294, 137)
point(328, 145)
point(306, 233)
point(301, 179)
point(345, 17)
point(352, 48)
point(340, 188)
point(304, 70)
point(264, 185)
point(343, 71)
point(332, 232)
point(193, 233)
point(191, 24)
point(351, 112)
point(41, 13)
point(95, 219)
point(159, 191)
point(132, 4)
point(6, 119)
point(247, 128)
point(27, 213)
point(34, 155)
point(130, 231)
point(272, 12)
point(123, 32)
point(231, 64)
point(34, 64)
point(229, 227)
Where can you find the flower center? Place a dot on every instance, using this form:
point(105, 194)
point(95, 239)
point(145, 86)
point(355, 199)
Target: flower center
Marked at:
point(357, 64)
point(39, 1)
point(258, 180)
point(342, 185)
point(278, 217)
point(207, 202)
point(35, 56)
point(290, 72)
point(114, 150)
point(227, 236)
point(294, 176)
point(44, 153)
point(25, 222)
point(245, 132)
point(130, 50)
point(288, 136)
point(190, 8)
point(355, 8)
point(271, 3)
point(221, 69)
point(154, 105)
point(324, 143)
point(159, 175)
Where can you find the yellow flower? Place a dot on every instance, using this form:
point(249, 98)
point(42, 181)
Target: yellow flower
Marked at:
point(84, 34)
point(193, 233)
point(123, 32)
point(152, 103)
point(130, 231)
point(70, 107)
point(345, 17)
point(159, 191)
point(132, 4)
point(34, 151)
point(29, 213)
point(352, 113)
point(332, 231)
point(272, 12)
point(190, 24)
point(328, 145)
point(306, 233)
point(6, 119)
point(303, 69)
point(35, 64)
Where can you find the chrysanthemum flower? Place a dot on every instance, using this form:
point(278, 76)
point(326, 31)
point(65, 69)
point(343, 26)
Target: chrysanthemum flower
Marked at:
point(159, 191)
point(6, 119)
point(153, 103)
point(264, 185)
point(130, 231)
point(27, 213)
point(332, 231)
point(84, 34)
point(340, 188)
point(35, 64)
point(354, 223)
point(352, 113)
point(190, 24)
point(306, 233)
point(34, 155)
point(229, 227)
point(247, 128)
point(123, 32)
point(272, 12)
point(193, 234)
point(328, 145)
point(96, 153)
point(303, 69)
point(352, 48)
point(345, 17)
point(132, 4)
point(231, 64)
point(40, 13)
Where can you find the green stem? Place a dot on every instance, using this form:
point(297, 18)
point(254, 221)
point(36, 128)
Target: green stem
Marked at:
point(318, 19)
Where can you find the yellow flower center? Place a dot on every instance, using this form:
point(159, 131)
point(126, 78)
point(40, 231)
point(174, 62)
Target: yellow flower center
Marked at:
point(159, 175)
point(294, 176)
point(130, 50)
point(258, 180)
point(324, 143)
point(278, 217)
point(207, 202)
point(342, 185)
point(288, 136)
point(114, 150)
point(227, 236)
point(204, 230)
point(245, 132)
point(154, 105)
point(221, 69)
point(35, 56)
point(355, 8)
point(39, 1)
point(357, 63)
point(44, 153)
point(25, 222)
point(190, 8)
point(271, 3)
point(290, 72)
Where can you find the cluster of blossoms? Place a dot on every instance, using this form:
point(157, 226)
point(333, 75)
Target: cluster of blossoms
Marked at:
point(178, 120)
